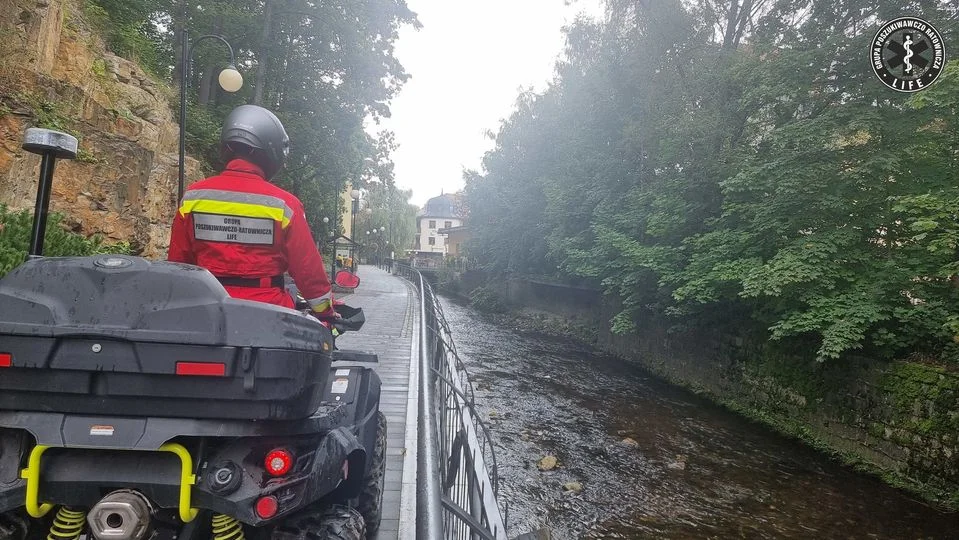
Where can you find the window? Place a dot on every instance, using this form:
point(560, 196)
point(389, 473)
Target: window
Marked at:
point(447, 224)
point(432, 223)
point(432, 241)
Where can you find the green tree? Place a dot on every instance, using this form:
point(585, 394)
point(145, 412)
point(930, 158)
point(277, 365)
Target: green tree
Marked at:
point(323, 68)
point(736, 163)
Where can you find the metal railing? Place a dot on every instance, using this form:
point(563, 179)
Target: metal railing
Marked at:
point(456, 480)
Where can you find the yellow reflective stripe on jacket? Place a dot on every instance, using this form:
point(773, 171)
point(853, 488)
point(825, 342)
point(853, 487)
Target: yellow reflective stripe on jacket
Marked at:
point(234, 203)
point(321, 303)
point(234, 209)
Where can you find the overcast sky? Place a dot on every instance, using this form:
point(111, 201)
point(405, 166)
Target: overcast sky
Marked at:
point(468, 64)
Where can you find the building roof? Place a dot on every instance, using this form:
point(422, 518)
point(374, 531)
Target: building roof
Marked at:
point(444, 206)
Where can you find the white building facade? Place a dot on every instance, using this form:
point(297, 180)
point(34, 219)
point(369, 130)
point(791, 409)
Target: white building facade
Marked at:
point(441, 212)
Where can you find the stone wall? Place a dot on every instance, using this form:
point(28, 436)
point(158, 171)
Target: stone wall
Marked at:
point(54, 71)
point(898, 419)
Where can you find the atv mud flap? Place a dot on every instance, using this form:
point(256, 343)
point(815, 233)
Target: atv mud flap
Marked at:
point(334, 471)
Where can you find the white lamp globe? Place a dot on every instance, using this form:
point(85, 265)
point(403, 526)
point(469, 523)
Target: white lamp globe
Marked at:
point(230, 79)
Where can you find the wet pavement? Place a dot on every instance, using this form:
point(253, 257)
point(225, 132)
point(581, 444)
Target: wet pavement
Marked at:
point(653, 460)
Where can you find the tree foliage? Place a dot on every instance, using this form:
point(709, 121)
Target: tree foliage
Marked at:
point(386, 207)
point(324, 67)
point(737, 163)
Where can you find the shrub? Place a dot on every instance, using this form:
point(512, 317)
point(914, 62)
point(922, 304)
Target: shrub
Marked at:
point(15, 230)
point(485, 299)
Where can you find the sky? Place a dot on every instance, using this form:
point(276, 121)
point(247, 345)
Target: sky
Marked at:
point(468, 63)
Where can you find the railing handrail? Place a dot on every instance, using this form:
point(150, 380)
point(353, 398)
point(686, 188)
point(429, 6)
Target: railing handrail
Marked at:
point(429, 522)
point(456, 492)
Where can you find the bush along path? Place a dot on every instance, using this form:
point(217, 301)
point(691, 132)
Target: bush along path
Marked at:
point(15, 240)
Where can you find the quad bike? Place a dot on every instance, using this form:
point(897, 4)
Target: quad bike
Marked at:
point(139, 401)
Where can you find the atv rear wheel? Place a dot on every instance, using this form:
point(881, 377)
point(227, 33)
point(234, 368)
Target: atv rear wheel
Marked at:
point(334, 523)
point(371, 499)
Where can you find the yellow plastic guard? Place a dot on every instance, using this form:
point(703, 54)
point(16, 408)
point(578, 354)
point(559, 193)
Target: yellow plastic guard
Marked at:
point(187, 479)
point(32, 475)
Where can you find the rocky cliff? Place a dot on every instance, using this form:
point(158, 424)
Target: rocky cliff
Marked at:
point(55, 72)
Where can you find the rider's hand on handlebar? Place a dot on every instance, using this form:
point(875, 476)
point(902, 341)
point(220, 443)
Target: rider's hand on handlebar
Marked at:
point(327, 314)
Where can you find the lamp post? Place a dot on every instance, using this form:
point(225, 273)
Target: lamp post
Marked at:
point(229, 79)
point(355, 197)
point(379, 247)
point(332, 235)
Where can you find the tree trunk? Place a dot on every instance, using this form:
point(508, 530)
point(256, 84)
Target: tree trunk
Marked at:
point(278, 81)
point(210, 71)
point(263, 57)
point(732, 22)
point(206, 84)
point(745, 13)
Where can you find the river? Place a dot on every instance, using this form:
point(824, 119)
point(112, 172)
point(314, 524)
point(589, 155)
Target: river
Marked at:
point(653, 460)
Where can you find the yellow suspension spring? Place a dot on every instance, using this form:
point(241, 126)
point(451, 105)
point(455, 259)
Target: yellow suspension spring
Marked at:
point(67, 525)
point(227, 528)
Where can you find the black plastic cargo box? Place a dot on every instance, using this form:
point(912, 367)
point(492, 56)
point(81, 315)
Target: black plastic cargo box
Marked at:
point(114, 334)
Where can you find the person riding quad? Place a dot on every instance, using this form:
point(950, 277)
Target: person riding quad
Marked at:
point(243, 229)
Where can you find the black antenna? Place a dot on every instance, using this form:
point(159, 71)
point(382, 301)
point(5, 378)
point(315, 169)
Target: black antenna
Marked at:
point(51, 145)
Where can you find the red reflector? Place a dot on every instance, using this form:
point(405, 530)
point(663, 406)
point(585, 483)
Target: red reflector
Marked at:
point(266, 507)
point(201, 368)
point(278, 462)
point(6, 359)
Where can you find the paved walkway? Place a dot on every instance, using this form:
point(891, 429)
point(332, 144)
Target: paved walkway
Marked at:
point(388, 303)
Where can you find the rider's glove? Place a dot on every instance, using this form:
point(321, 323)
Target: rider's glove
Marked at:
point(328, 313)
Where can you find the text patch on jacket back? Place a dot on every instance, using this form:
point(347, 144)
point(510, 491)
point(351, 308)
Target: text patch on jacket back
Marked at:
point(233, 229)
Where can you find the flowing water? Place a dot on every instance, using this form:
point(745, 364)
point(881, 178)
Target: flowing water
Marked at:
point(653, 460)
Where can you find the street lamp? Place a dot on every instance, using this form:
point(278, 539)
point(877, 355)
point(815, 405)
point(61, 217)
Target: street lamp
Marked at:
point(229, 79)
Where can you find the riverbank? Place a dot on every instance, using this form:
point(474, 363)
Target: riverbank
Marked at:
point(897, 420)
point(591, 447)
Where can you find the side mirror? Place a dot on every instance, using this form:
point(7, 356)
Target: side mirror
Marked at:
point(346, 279)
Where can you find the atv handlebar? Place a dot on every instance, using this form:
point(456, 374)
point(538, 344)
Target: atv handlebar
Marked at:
point(350, 319)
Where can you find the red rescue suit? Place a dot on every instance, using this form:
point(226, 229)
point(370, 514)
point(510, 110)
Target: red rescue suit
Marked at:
point(247, 232)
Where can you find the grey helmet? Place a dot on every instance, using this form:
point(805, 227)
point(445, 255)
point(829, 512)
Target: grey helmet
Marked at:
point(256, 135)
